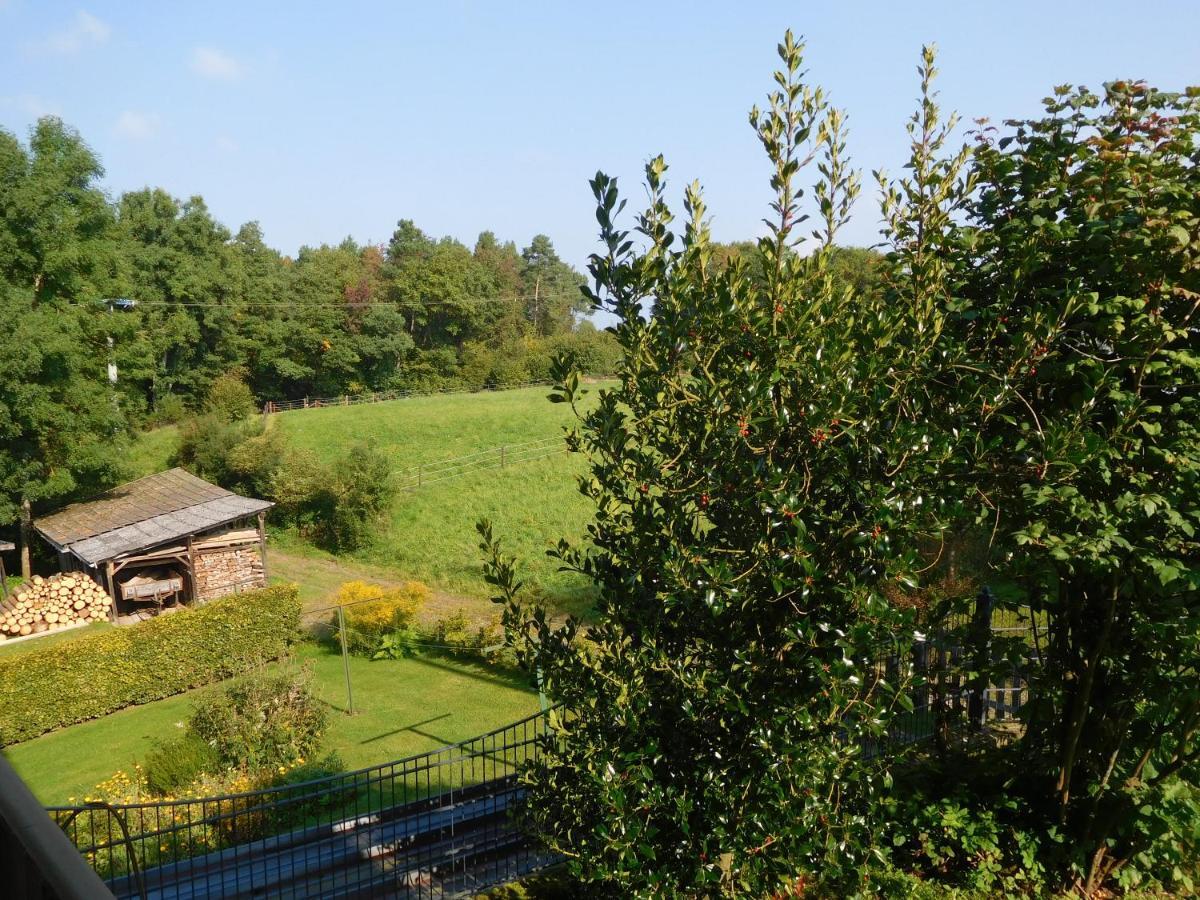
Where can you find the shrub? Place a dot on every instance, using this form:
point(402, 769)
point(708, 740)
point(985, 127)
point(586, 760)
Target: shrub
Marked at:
point(754, 486)
point(229, 399)
point(261, 720)
point(335, 505)
point(97, 674)
point(253, 464)
point(172, 765)
point(372, 611)
point(206, 443)
point(169, 410)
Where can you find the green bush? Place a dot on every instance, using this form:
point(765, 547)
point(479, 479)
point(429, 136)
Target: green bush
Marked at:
point(172, 765)
point(92, 676)
point(262, 720)
point(229, 398)
point(207, 442)
point(169, 410)
point(336, 505)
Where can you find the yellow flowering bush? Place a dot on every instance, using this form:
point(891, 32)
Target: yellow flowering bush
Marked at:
point(372, 611)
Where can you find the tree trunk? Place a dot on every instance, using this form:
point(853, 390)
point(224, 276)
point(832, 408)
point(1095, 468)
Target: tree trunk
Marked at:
point(26, 538)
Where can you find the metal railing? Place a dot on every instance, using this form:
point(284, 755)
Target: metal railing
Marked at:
point(438, 824)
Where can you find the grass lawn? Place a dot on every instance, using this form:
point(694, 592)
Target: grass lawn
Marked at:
point(152, 450)
point(402, 707)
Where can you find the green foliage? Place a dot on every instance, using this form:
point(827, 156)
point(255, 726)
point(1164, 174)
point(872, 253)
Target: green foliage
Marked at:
point(261, 720)
point(752, 480)
point(69, 682)
point(207, 445)
point(169, 410)
point(172, 765)
point(253, 465)
point(1075, 274)
point(334, 320)
point(229, 398)
point(61, 429)
point(338, 504)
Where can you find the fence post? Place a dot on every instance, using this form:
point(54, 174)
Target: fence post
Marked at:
point(981, 647)
point(502, 456)
point(345, 659)
point(420, 468)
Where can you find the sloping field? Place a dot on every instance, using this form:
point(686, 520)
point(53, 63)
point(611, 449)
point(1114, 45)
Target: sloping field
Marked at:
point(430, 531)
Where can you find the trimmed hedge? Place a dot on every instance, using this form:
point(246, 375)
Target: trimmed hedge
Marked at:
point(73, 681)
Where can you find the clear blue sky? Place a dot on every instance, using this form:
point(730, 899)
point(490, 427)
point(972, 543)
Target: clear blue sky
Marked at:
point(323, 120)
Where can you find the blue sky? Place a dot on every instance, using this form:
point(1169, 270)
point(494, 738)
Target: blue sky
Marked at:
point(323, 120)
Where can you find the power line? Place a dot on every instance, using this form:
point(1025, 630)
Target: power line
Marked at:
point(345, 304)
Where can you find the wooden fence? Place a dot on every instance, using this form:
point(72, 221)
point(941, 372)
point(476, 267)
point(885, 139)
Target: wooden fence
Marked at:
point(274, 406)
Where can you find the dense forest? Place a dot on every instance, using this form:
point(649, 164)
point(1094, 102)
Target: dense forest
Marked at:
point(80, 365)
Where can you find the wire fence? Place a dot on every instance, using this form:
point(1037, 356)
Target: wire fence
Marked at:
point(500, 457)
point(275, 406)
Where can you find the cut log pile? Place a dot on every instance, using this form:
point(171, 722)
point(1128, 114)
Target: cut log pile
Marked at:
point(48, 604)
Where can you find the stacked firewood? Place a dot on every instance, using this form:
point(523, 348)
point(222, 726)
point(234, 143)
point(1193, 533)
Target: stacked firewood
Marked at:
point(228, 572)
point(47, 604)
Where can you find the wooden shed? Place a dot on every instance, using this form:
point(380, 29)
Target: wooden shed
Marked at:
point(161, 541)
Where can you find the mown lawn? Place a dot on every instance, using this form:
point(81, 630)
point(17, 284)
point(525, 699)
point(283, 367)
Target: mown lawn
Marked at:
point(401, 708)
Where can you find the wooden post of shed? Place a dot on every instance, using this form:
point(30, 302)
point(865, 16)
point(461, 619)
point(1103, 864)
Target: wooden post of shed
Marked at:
point(112, 590)
point(262, 544)
point(191, 548)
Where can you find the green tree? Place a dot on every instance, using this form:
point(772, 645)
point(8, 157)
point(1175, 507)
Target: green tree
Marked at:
point(55, 223)
point(753, 481)
point(61, 429)
point(552, 288)
point(1076, 273)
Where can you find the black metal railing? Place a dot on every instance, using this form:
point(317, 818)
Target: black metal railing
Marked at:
point(438, 824)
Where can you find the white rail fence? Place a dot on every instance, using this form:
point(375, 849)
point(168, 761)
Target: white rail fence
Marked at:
point(501, 457)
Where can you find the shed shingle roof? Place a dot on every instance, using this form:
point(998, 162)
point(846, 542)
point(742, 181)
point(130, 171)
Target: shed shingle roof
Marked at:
point(142, 514)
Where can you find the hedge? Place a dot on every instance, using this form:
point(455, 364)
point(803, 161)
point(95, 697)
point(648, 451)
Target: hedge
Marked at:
point(95, 675)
